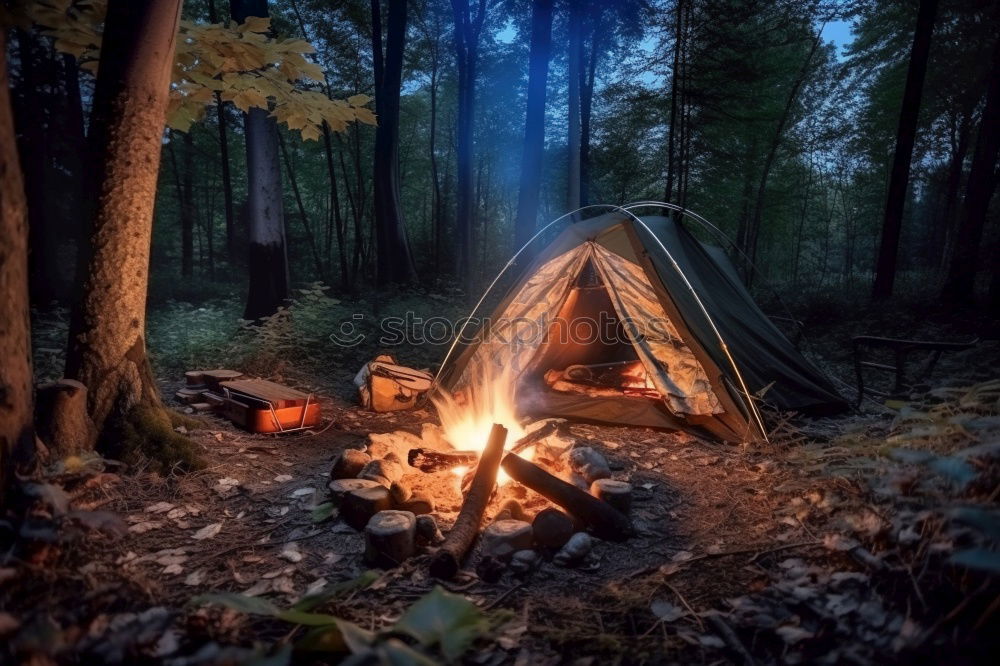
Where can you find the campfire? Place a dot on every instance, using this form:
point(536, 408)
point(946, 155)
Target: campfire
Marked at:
point(524, 491)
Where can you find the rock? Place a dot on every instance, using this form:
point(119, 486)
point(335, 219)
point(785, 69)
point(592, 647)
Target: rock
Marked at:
point(577, 480)
point(510, 510)
point(418, 504)
point(552, 528)
point(505, 537)
point(399, 493)
point(616, 493)
point(389, 538)
point(427, 531)
point(490, 568)
point(384, 471)
point(358, 506)
point(524, 561)
point(589, 464)
point(575, 550)
point(349, 463)
point(341, 487)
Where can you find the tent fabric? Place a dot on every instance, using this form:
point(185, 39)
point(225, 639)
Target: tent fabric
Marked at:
point(652, 291)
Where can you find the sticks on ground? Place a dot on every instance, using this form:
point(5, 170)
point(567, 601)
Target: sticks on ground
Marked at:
point(606, 521)
point(446, 561)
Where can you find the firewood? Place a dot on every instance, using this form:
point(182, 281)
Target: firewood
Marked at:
point(340, 487)
point(616, 493)
point(389, 538)
point(606, 521)
point(399, 493)
point(535, 436)
point(447, 559)
point(194, 378)
point(358, 506)
point(552, 528)
point(349, 463)
point(429, 460)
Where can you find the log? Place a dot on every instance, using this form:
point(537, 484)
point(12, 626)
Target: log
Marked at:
point(616, 493)
point(358, 506)
point(552, 528)
point(446, 561)
point(340, 487)
point(389, 538)
point(194, 378)
point(606, 521)
point(349, 464)
point(503, 538)
point(532, 437)
point(429, 460)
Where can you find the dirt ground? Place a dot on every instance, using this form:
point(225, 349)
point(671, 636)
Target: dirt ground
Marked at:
point(824, 546)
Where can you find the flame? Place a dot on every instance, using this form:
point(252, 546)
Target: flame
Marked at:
point(468, 418)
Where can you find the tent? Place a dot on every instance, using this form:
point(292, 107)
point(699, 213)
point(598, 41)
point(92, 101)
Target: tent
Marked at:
point(665, 316)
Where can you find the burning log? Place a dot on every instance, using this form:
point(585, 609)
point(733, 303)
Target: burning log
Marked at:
point(389, 538)
point(606, 521)
point(552, 528)
point(429, 460)
point(447, 559)
point(536, 436)
point(616, 493)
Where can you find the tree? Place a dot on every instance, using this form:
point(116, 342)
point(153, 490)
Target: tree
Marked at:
point(892, 223)
point(960, 284)
point(574, 56)
point(467, 32)
point(107, 349)
point(394, 262)
point(16, 389)
point(227, 179)
point(534, 122)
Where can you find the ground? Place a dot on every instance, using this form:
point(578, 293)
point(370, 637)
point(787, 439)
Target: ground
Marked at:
point(864, 539)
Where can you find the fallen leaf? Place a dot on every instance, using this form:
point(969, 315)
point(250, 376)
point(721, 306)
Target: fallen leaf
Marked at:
point(793, 635)
point(195, 578)
point(207, 532)
point(159, 507)
point(283, 478)
point(291, 553)
point(666, 611)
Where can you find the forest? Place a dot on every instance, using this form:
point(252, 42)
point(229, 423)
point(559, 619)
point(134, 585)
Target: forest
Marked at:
point(499, 331)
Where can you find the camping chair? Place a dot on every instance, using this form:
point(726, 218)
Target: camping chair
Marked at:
point(902, 350)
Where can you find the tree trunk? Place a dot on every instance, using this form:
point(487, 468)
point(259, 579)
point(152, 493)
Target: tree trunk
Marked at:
point(573, 138)
point(107, 350)
point(394, 262)
point(674, 79)
point(16, 391)
point(534, 123)
point(267, 259)
point(960, 285)
point(467, 31)
point(885, 267)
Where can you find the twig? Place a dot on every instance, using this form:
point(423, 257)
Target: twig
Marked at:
point(503, 596)
point(731, 639)
point(686, 605)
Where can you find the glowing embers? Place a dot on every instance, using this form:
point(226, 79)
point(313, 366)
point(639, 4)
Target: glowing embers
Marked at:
point(604, 379)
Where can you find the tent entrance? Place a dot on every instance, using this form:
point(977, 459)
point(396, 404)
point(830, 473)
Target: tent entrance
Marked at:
point(586, 348)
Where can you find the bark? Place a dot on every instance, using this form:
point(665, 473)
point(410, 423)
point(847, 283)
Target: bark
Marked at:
point(467, 32)
point(674, 90)
point(573, 138)
point(16, 393)
point(534, 122)
point(267, 257)
point(107, 350)
point(959, 288)
point(448, 558)
point(394, 262)
point(892, 223)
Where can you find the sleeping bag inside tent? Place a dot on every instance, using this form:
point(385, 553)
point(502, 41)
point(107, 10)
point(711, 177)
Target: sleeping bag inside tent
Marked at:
point(639, 323)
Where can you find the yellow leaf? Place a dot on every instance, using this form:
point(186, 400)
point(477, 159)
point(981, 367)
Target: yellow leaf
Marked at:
point(256, 24)
point(297, 46)
point(311, 133)
point(358, 100)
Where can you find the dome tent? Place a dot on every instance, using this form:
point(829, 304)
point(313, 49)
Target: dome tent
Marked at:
point(679, 314)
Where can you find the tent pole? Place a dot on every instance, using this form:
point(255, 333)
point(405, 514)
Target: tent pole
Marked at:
point(722, 343)
point(513, 259)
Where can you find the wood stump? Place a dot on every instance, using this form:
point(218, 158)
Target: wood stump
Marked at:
point(552, 528)
point(616, 493)
point(61, 420)
point(349, 463)
point(389, 538)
